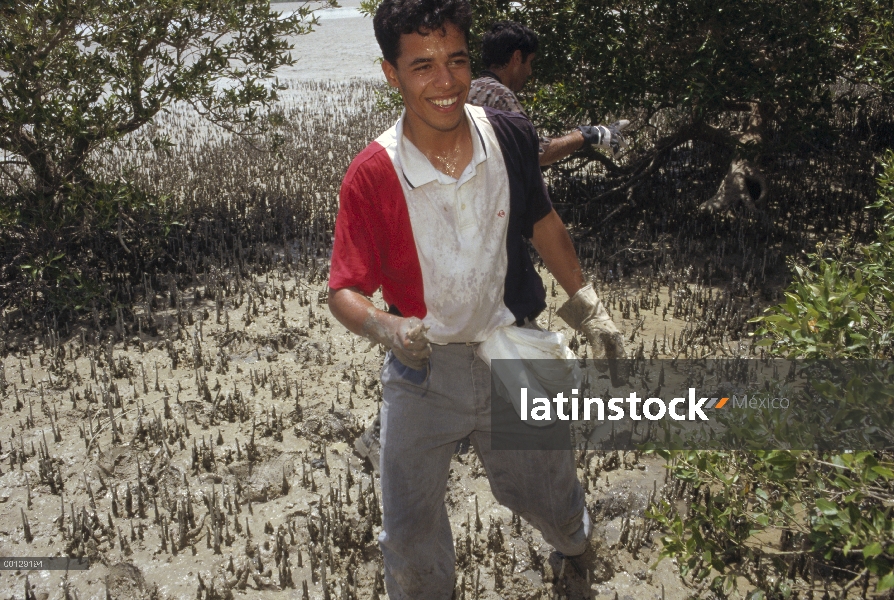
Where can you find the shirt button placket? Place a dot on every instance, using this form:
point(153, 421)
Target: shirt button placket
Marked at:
point(464, 210)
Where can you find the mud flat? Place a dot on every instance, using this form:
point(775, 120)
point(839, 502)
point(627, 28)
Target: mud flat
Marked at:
point(204, 449)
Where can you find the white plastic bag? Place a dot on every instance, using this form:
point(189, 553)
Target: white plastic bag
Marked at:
point(542, 378)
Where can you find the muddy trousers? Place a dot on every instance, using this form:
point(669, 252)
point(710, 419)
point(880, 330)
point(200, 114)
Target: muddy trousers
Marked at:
point(422, 420)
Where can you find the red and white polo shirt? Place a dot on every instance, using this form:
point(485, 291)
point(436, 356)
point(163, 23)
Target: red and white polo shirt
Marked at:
point(449, 251)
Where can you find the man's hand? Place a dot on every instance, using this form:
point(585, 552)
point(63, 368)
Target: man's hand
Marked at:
point(403, 336)
point(606, 136)
point(586, 312)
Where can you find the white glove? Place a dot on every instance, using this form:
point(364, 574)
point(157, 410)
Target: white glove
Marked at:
point(586, 312)
point(606, 136)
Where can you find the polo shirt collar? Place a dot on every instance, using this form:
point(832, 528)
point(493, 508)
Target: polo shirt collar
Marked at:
point(416, 168)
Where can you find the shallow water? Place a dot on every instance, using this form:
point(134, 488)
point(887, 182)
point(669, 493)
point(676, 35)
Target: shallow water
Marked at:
point(342, 46)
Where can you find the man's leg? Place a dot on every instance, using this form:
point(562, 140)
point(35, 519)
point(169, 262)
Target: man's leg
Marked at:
point(422, 419)
point(541, 486)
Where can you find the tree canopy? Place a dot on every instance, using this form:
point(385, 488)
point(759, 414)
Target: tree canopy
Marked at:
point(74, 75)
point(768, 59)
point(606, 56)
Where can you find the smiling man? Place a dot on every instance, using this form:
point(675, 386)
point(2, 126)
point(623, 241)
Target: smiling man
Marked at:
point(435, 212)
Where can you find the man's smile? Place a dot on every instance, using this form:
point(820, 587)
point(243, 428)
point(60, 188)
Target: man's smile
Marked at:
point(445, 102)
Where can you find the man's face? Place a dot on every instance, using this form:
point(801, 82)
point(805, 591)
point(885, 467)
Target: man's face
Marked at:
point(527, 68)
point(433, 76)
point(520, 72)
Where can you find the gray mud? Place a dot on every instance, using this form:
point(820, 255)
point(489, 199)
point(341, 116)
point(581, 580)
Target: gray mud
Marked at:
point(238, 477)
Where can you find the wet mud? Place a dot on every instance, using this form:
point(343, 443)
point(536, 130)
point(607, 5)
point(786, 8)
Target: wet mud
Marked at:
point(214, 458)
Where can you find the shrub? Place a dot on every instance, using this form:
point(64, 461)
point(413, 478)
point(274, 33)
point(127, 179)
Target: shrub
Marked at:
point(798, 523)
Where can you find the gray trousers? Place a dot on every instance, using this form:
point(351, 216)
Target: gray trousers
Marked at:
point(422, 420)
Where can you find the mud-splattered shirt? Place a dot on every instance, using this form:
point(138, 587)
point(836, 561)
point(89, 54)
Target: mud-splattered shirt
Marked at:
point(449, 251)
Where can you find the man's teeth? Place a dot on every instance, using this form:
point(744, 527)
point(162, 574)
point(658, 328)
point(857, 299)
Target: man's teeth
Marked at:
point(446, 102)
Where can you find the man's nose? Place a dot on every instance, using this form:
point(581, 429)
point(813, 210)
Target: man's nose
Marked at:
point(444, 77)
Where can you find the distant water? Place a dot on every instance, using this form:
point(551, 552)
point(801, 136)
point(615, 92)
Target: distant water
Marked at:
point(342, 46)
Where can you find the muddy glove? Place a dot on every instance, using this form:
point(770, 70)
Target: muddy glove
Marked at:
point(606, 136)
point(405, 337)
point(585, 311)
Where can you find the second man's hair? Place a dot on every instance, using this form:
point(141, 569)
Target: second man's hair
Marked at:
point(395, 18)
point(503, 39)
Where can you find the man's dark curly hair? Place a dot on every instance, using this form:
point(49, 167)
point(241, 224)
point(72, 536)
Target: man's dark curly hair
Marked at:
point(398, 17)
point(503, 39)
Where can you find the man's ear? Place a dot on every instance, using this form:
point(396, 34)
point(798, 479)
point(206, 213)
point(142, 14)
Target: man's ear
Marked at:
point(516, 59)
point(390, 74)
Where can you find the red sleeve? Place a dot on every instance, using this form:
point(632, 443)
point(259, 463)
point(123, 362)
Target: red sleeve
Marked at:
point(374, 245)
point(356, 260)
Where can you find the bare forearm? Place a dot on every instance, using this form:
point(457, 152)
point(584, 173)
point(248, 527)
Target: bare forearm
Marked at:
point(406, 338)
point(353, 309)
point(561, 147)
point(552, 242)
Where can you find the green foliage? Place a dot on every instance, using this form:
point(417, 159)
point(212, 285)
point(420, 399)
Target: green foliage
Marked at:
point(77, 75)
point(781, 519)
point(875, 63)
point(601, 57)
point(368, 7)
point(841, 306)
point(61, 262)
point(767, 515)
